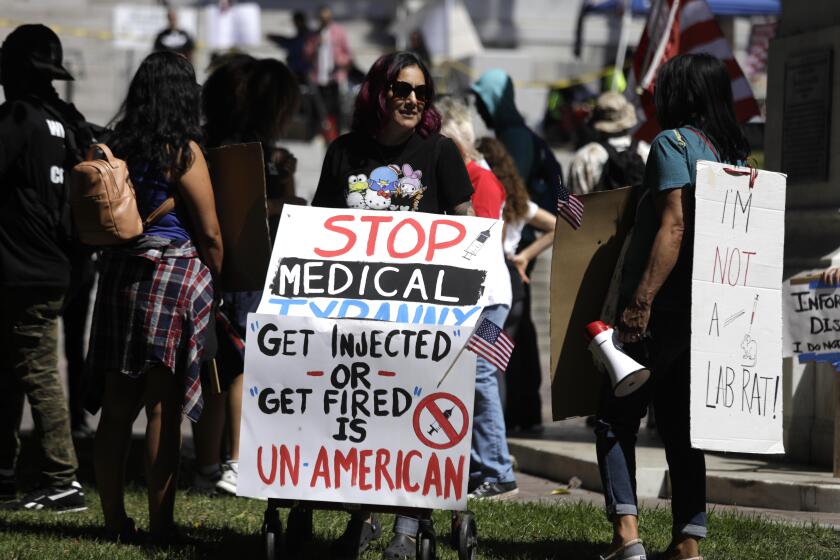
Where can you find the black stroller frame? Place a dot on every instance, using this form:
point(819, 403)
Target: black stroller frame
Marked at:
point(277, 546)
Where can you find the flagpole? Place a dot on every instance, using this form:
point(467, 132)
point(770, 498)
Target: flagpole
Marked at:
point(458, 355)
point(623, 38)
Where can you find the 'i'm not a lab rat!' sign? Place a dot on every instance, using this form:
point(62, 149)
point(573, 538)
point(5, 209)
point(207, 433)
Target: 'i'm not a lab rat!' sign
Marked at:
point(404, 267)
point(356, 412)
point(736, 309)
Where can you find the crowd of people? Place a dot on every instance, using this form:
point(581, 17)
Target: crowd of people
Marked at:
point(160, 311)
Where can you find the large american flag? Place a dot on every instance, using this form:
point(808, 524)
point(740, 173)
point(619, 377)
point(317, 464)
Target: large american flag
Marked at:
point(679, 27)
point(491, 343)
point(569, 207)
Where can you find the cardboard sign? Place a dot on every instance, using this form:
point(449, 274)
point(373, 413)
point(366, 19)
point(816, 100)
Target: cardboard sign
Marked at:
point(351, 411)
point(736, 311)
point(238, 176)
point(405, 267)
point(811, 320)
point(582, 266)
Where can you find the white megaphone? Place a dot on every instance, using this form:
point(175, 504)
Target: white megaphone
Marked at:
point(626, 374)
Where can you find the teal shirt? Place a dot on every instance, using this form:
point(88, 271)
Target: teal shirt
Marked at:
point(671, 164)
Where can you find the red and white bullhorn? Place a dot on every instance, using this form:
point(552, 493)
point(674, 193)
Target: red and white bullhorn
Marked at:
point(626, 374)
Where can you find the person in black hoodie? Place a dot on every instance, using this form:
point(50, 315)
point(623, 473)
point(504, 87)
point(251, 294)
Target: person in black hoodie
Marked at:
point(38, 143)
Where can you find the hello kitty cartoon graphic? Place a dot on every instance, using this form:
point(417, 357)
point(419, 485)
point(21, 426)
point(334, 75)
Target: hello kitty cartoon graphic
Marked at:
point(409, 190)
point(382, 185)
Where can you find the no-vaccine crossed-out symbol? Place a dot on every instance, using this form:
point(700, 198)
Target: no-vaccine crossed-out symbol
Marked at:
point(441, 420)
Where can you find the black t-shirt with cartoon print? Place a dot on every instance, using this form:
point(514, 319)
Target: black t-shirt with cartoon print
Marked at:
point(421, 175)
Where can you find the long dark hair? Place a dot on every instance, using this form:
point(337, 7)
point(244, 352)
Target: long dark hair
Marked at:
point(160, 116)
point(505, 170)
point(246, 99)
point(695, 90)
point(222, 99)
point(371, 113)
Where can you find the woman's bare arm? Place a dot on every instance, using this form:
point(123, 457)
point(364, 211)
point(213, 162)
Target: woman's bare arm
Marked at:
point(197, 193)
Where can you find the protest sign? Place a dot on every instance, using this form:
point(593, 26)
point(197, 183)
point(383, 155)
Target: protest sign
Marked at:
point(582, 266)
point(811, 320)
point(405, 267)
point(238, 176)
point(351, 411)
point(736, 310)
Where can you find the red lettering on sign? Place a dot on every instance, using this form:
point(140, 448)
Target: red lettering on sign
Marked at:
point(270, 478)
point(329, 224)
point(286, 464)
point(347, 462)
point(374, 230)
point(383, 457)
point(435, 245)
point(322, 469)
point(453, 478)
point(406, 471)
point(432, 476)
point(727, 266)
point(421, 239)
point(364, 469)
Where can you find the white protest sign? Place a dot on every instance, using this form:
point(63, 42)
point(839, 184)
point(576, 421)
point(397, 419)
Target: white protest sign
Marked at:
point(238, 25)
point(736, 310)
point(405, 267)
point(812, 320)
point(350, 411)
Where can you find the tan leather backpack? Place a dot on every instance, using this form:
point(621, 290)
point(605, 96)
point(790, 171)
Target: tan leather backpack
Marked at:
point(103, 201)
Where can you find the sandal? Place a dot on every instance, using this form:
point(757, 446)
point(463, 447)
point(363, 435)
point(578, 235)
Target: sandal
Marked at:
point(401, 547)
point(356, 537)
point(631, 550)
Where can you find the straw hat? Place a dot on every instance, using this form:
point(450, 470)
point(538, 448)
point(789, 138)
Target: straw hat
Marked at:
point(613, 113)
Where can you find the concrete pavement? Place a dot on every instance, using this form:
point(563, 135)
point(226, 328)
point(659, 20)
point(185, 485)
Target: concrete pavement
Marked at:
point(567, 449)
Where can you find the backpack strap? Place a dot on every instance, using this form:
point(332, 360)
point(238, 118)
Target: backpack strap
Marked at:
point(165, 208)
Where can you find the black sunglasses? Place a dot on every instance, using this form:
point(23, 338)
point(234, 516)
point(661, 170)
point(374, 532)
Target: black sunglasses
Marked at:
point(404, 89)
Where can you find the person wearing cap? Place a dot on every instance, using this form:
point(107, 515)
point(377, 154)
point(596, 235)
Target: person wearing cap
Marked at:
point(612, 120)
point(37, 144)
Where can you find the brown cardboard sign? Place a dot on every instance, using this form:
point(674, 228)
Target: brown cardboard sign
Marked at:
point(582, 267)
point(238, 176)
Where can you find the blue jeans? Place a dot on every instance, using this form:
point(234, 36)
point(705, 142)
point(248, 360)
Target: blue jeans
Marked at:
point(667, 354)
point(489, 457)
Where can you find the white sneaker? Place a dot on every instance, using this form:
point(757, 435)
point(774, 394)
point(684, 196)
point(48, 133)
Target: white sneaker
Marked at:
point(229, 478)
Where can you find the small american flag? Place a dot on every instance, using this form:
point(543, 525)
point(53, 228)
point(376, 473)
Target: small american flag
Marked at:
point(569, 207)
point(491, 343)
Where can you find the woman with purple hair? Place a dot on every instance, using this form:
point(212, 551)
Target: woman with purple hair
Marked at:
point(392, 159)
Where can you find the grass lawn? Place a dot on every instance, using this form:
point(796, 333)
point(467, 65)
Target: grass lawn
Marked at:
point(228, 528)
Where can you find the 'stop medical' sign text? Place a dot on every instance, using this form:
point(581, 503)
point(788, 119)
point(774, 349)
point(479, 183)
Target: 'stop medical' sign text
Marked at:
point(398, 266)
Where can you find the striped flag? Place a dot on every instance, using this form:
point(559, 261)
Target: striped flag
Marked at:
point(491, 343)
point(680, 27)
point(569, 207)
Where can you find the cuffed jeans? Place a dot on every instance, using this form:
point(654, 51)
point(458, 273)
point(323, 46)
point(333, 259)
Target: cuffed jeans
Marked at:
point(667, 354)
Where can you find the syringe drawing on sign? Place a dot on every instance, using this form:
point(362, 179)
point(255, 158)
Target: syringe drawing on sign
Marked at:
point(749, 344)
point(477, 244)
point(434, 427)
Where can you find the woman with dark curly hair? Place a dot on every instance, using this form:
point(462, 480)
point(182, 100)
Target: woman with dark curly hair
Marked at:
point(155, 294)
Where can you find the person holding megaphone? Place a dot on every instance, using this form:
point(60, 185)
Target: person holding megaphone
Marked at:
point(694, 106)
